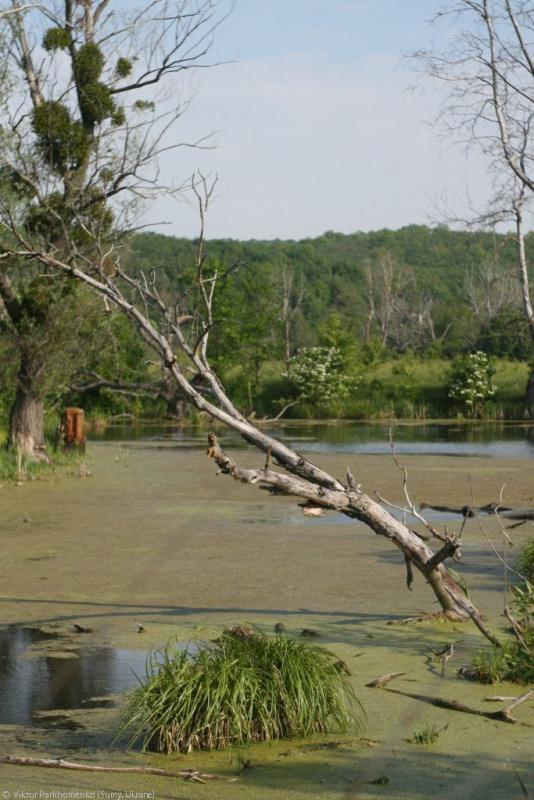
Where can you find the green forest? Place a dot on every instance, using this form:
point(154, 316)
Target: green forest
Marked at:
point(392, 314)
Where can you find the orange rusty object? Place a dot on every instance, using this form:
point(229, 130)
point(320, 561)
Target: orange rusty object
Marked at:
point(72, 428)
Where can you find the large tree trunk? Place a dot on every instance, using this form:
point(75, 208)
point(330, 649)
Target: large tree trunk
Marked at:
point(26, 419)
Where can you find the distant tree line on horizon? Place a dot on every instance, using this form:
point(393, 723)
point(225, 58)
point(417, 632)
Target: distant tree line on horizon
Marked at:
point(430, 293)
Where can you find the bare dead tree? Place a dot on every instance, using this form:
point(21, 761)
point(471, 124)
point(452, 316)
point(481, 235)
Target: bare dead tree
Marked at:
point(400, 314)
point(488, 72)
point(490, 289)
point(159, 324)
point(292, 296)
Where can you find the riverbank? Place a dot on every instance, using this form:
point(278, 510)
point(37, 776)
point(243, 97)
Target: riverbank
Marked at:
point(154, 537)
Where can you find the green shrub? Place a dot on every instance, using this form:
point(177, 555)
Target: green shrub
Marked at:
point(319, 377)
point(472, 382)
point(237, 690)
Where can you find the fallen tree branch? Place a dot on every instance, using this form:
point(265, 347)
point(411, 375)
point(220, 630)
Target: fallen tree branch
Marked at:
point(60, 763)
point(499, 698)
point(490, 509)
point(357, 505)
point(450, 549)
point(380, 682)
point(503, 715)
point(301, 478)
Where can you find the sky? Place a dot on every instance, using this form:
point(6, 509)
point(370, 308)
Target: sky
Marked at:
point(320, 124)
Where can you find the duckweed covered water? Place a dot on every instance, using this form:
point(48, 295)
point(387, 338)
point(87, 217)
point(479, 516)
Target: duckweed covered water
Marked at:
point(154, 537)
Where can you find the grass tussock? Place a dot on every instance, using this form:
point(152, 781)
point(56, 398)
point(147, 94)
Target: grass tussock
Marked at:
point(428, 734)
point(514, 661)
point(238, 690)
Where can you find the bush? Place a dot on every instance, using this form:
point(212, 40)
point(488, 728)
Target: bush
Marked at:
point(319, 377)
point(472, 382)
point(237, 690)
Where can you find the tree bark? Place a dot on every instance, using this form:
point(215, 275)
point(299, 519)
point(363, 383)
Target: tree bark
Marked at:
point(26, 418)
point(530, 395)
point(525, 295)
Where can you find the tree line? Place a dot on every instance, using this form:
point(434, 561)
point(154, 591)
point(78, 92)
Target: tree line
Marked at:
point(430, 292)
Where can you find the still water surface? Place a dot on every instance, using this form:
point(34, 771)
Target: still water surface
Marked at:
point(491, 439)
point(31, 682)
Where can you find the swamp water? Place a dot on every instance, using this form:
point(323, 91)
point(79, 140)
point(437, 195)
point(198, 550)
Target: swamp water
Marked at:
point(154, 537)
point(33, 680)
point(490, 439)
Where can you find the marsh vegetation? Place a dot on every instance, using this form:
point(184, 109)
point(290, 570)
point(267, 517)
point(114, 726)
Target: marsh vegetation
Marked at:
point(239, 689)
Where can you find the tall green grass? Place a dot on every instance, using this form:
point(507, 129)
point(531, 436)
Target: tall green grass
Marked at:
point(514, 661)
point(525, 560)
point(236, 691)
point(406, 387)
point(15, 468)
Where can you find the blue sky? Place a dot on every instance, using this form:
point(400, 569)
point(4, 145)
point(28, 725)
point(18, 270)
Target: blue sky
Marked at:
point(317, 127)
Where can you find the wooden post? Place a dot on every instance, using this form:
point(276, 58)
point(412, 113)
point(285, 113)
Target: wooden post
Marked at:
point(73, 429)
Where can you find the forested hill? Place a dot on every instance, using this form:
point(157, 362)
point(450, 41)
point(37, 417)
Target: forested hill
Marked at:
point(407, 289)
point(439, 257)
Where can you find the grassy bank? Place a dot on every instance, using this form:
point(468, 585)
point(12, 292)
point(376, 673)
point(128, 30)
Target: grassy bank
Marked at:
point(401, 388)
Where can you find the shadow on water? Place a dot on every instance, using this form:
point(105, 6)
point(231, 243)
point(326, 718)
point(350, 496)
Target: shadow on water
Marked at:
point(32, 682)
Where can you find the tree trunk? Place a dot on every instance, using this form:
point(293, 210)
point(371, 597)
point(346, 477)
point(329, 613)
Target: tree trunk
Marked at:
point(26, 419)
point(530, 395)
point(525, 295)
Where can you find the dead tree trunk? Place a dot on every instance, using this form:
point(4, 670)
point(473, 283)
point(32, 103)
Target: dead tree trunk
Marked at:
point(525, 296)
point(352, 502)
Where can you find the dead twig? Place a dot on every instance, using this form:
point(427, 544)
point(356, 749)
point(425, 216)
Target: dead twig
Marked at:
point(503, 715)
point(60, 763)
point(378, 683)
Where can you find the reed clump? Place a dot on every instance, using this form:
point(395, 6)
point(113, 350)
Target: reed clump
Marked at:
point(238, 690)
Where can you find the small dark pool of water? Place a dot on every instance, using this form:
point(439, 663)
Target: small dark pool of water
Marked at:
point(40, 682)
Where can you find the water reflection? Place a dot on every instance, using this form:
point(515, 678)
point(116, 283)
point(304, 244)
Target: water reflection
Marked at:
point(42, 682)
point(492, 439)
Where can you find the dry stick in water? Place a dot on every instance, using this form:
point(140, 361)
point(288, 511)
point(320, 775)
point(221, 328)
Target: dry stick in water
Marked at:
point(59, 763)
point(503, 715)
point(378, 683)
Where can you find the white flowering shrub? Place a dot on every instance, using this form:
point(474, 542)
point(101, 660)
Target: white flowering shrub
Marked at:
point(471, 382)
point(319, 376)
